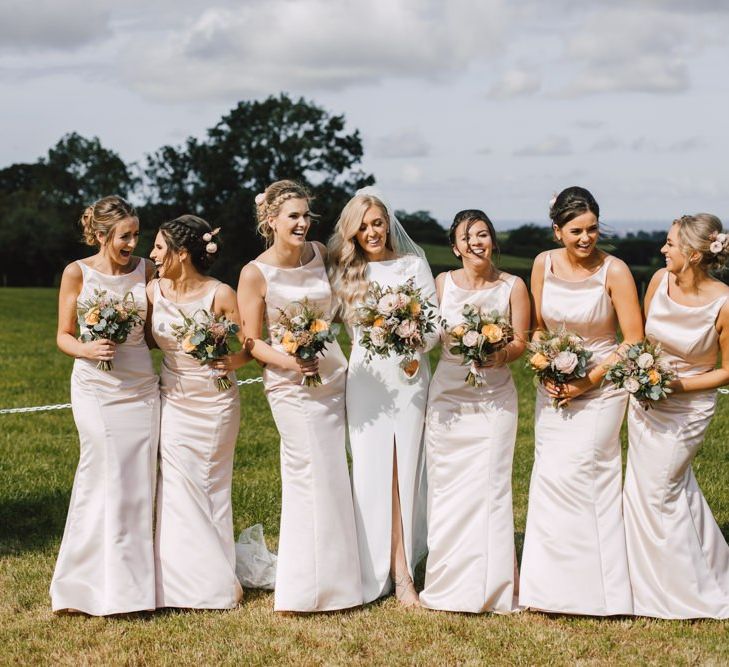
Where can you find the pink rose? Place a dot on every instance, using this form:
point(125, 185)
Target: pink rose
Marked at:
point(406, 329)
point(470, 338)
point(565, 362)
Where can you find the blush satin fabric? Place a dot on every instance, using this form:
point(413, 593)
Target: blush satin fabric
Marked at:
point(574, 558)
point(194, 547)
point(469, 440)
point(106, 561)
point(384, 410)
point(677, 555)
point(318, 565)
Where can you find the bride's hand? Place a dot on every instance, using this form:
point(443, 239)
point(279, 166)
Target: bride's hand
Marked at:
point(305, 366)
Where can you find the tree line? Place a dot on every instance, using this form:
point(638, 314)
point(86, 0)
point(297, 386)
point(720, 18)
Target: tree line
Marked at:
point(216, 177)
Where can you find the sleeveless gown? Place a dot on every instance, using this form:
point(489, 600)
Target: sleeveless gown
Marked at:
point(318, 566)
point(194, 547)
point(574, 558)
point(385, 410)
point(677, 555)
point(106, 562)
point(470, 434)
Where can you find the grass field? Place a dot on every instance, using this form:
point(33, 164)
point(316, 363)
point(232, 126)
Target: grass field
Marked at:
point(38, 456)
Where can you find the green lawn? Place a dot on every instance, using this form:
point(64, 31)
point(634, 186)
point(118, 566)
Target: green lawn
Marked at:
point(38, 456)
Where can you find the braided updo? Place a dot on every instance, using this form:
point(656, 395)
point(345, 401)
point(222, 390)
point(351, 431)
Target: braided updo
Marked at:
point(570, 203)
point(103, 216)
point(186, 233)
point(269, 202)
point(703, 233)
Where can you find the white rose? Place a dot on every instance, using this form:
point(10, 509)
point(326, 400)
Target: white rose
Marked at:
point(645, 360)
point(716, 247)
point(632, 385)
point(406, 329)
point(470, 339)
point(378, 336)
point(402, 300)
point(388, 303)
point(575, 340)
point(722, 238)
point(565, 362)
point(211, 248)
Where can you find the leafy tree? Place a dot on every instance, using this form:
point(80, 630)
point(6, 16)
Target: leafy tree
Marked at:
point(256, 143)
point(527, 241)
point(423, 227)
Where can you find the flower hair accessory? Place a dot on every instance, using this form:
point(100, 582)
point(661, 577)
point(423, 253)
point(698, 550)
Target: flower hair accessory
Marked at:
point(211, 248)
point(718, 242)
point(553, 201)
point(260, 198)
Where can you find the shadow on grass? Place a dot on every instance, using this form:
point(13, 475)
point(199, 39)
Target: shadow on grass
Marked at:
point(32, 523)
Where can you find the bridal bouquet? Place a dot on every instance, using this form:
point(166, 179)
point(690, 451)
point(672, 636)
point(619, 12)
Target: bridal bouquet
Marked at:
point(303, 332)
point(479, 335)
point(558, 357)
point(641, 372)
point(396, 320)
point(105, 317)
point(205, 337)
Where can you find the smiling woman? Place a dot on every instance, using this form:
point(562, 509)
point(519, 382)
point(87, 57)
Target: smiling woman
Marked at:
point(106, 563)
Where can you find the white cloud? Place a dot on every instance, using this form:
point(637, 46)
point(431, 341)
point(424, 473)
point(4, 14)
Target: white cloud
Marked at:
point(687, 145)
point(309, 45)
point(551, 146)
point(41, 25)
point(605, 144)
point(404, 143)
point(515, 83)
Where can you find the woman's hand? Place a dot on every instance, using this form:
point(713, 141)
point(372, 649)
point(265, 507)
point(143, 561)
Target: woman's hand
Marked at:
point(99, 350)
point(564, 393)
point(224, 364)
point(304, 366)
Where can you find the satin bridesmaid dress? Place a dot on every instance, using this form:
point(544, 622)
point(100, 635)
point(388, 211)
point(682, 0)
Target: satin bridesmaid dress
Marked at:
point(106, 562)
point(318, 566)
point(470, 434)
point(677, 555)
point(386, 410)
point(574, 558)
point(194, 546)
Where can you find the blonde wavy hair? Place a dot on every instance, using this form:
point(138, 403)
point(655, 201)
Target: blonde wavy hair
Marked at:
point(346, 259)
point(269, 202)
point(697, 233)
point(103, 216)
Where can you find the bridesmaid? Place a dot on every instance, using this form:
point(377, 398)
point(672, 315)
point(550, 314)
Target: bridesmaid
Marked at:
point(574, 558)
point(106, 562)
point(318, 567)
point(194, 548)
point(677, 555)
point(470, 435)
point(385, 410)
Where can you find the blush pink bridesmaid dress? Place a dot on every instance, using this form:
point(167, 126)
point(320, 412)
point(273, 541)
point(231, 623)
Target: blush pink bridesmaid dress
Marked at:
point(318, 565)
point(574, 558)
point(194, 546)
point(106, 562)
point(470, 434)
point(677, 555)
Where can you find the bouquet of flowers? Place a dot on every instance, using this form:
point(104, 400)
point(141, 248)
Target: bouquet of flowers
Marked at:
point(641, 373)
point(479, 335)
point(105, 317)
point(558, 357)
point(396, 320)
point(205, 337)
point(303, 332)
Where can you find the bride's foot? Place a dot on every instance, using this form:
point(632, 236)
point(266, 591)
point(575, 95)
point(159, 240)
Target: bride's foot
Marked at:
point(405, 591)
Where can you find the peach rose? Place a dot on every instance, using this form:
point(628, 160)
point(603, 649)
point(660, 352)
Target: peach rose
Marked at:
point(457, 332)
point(654, 377)
point(492, 333)
point(187, 345)
point(318, 326)
point(289, 343)
point(415, 308)
point(92, 316)
point(539, 361)
point(379, 322)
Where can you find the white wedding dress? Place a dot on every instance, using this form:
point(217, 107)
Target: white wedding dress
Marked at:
point(385, 410)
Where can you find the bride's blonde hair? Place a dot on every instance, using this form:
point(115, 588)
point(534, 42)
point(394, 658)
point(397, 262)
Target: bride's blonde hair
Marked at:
point(347, 261)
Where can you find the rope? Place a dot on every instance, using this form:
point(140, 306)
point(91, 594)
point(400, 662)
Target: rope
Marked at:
point(64, 406)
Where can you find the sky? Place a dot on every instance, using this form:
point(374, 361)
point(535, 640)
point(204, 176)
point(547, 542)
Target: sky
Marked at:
point(491, 104)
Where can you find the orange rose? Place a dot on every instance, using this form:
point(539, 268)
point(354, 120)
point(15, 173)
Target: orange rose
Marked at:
point(187, 345)
point(539, 361)
point(379, 322)
point(654, 377)
point(92, 316)
point(492, 333)
point(318, 325)
point(289, 343)
point(457, 332)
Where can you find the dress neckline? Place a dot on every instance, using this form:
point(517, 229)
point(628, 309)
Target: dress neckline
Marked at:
point(683, 305)
point(496, 285)
point(187, 303)
point(550, 271)
point(112, 275)
point(315, 256)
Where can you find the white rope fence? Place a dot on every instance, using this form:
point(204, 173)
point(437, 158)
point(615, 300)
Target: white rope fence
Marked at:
point(64, 406)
